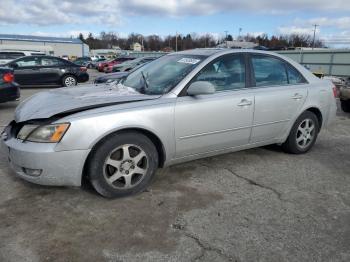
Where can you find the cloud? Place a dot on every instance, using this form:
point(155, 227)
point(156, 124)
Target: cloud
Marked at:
point(340, 22)
point(111, 12)
point(64, 12)
point(70, 33)
point(339, 28)
point(286, 30)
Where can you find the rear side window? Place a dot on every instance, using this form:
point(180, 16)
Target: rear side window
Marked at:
point(269, 71)
point(50, 61)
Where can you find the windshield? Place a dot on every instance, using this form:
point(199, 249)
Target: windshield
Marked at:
point(163, 74)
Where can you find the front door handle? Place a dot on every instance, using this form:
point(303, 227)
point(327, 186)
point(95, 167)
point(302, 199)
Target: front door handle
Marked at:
point(245, 102)
point(297, 96)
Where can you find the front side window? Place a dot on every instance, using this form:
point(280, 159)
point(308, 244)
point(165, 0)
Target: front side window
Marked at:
point(163, 74)
point(269, 71)
point(225, 73)
point(28, 62)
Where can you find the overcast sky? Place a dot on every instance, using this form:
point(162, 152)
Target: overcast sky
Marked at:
point(163, 17)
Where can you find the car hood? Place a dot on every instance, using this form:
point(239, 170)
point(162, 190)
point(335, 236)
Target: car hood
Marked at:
point(72, 100)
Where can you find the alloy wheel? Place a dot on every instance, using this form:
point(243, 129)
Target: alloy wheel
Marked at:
point(126, 166)
point(70, 81)
point(305, 133)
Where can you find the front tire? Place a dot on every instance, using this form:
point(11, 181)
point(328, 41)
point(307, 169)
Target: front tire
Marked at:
point(345, 105)
point(303, 134)
point(69, 81)
point(122, 165)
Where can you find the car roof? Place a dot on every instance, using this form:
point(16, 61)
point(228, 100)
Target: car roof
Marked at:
point(217, 51)
point(41, 56)
point(201, 51)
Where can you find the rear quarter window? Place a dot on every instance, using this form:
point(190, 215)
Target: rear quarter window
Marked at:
point(294, 76)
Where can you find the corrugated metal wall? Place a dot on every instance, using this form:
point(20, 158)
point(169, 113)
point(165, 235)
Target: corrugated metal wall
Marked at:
point(334, 62)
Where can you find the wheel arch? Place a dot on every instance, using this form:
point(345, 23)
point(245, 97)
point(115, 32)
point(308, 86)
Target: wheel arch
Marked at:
point(313, 109)
point(153, 137)
point(318, 114)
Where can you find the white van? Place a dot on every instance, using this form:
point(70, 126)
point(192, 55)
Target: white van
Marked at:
point(8, 56)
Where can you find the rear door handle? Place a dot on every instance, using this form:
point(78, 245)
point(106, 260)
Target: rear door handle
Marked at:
point(245, 102)
point(297, 96)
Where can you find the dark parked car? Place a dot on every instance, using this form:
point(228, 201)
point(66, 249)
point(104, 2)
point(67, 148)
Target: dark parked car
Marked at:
point(113, 77)
point(93, 64)
point(82, 61)
point(43, 70)
point(9, 90)
point(129, 65)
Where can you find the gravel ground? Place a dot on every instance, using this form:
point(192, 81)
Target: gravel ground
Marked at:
point(255, 205)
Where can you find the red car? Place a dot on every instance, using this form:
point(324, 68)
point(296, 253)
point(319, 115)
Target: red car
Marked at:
point(101, 66)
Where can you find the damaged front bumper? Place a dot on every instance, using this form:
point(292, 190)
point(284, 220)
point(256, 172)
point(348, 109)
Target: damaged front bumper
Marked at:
point(40, 163)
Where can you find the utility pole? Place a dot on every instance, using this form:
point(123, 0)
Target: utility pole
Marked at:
point(142, 48)
point(226, 37)
point(313, 40)
point(176, 42)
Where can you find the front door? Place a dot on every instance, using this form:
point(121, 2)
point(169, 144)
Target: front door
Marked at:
point(27, 70)
point(216, 121)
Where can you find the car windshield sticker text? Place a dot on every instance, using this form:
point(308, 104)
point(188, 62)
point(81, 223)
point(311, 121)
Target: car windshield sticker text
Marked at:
point(188, 61)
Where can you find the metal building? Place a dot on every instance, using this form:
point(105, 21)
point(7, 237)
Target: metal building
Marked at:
point(57, 46)
point(333, 62)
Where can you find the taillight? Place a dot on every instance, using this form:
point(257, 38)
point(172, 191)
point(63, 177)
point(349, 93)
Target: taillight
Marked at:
point(83, 69)
point(8, 77)
point(335, 92)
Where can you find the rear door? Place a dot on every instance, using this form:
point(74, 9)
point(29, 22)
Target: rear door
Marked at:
point(51, 70)
point(280, 92)
point(216, 121)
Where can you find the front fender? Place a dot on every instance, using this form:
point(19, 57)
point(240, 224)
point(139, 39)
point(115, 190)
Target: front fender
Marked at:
point(85, 133)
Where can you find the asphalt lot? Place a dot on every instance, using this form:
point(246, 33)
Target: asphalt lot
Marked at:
point(255, 205)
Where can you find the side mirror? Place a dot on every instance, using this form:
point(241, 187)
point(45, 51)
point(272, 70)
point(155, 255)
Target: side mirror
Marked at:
point(201, 88)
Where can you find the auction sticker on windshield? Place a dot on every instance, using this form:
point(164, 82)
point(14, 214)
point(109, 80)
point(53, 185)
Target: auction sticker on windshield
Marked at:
point(189, 61)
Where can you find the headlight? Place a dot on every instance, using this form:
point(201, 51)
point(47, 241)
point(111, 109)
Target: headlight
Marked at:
point(43, 134)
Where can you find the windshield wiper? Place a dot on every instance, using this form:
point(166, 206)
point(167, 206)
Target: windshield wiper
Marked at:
point(144, 80)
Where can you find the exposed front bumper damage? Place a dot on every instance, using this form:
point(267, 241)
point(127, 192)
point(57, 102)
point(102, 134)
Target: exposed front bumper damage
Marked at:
point(39, 162)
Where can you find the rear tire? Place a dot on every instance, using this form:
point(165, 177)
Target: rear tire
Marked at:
point(303, 134)
point(69, 81)
point(122, 165)
point(345, 105)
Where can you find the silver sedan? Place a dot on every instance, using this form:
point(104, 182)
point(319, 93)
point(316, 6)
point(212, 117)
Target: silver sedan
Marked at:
point(180, 107)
